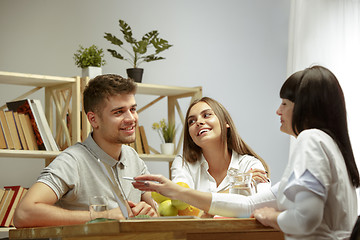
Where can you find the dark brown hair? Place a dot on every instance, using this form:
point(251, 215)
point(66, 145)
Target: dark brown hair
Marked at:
point(319, 103)
point(103, 87)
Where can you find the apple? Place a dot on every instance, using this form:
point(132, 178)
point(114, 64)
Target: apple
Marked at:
point(158, 197)
point(180, 205)
point(167, 209)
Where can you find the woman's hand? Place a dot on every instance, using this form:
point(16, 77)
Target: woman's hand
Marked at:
point(260, 176)
point(267, 217)
point(159, 184)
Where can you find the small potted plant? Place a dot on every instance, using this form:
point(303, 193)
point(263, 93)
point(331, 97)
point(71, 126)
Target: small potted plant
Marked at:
point(167, 135)
point(139, 49)
point(90, 60)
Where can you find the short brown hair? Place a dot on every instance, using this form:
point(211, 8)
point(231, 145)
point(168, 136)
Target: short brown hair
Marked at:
point(103, 87)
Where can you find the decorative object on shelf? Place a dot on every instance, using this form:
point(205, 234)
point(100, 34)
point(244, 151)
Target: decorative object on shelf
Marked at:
point(167, 135)
point(90, 60)
point(139, 49)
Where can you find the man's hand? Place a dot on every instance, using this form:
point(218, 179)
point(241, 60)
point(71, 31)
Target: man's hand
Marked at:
point(142, 208)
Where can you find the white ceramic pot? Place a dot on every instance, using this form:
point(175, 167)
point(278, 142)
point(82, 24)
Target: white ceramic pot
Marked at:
point(91, 72)
point(167, 148)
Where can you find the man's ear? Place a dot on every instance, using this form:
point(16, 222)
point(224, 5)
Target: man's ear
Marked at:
point(91, 116)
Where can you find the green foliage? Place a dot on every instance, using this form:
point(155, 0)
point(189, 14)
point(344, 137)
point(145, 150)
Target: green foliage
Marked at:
point(166, 132)
point(89, 57)
point(139, 48)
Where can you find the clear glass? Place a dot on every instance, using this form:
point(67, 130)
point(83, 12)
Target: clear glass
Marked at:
point(240, 183)
point(98, 206)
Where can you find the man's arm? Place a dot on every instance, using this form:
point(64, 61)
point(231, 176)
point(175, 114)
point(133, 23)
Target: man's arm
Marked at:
point(37, 209)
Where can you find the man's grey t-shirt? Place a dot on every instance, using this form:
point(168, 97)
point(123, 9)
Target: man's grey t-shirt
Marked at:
point(75, 175)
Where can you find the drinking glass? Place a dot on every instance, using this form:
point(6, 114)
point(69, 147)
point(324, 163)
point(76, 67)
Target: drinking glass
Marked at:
point(240, 183)
point(98, 206)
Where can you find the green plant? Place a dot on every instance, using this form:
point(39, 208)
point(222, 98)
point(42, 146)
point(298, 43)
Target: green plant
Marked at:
point(139, 48)
point(89, 57)
point(166, 131)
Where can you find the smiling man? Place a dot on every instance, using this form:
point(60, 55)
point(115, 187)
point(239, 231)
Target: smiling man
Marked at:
point(61, 194)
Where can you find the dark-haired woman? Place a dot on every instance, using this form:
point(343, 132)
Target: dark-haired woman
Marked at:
point(316, 197)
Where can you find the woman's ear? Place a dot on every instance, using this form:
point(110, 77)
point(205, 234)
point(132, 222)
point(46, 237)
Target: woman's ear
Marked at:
point(227, 125)
point(91, 116)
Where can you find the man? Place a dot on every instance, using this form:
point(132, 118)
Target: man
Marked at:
point(61, 194)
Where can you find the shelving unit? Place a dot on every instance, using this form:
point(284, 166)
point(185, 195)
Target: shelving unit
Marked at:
point(63, 98)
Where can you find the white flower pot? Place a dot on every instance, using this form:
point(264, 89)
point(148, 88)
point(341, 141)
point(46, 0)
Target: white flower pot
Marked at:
point(167, 148)
point(91, 72)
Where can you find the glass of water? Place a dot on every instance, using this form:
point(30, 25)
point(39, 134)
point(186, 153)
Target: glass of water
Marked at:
point(240, 183)
point(98, 206)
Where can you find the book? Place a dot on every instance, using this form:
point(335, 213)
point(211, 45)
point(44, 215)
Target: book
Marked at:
point(18, 191)
point(144, 141)
point(44, 125)
point(28, 131)
point(20, 131)
point(138, 144)
point(2, 192)
point(21, 197)
point(24, 106)
point(9, 193)
point(6, 129)
point(3, 144)
point(13, 129)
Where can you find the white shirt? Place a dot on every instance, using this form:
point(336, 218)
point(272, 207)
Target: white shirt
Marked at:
point(197, 176)
point(315, 194)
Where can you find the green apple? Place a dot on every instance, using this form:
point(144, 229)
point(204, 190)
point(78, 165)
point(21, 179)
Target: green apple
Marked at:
point(167, 209)
point(158, 197)
point(180, 205)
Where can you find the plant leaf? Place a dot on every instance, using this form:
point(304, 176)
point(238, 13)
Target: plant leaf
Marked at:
point(126, 30)
point(114, 40)
point(115, 54)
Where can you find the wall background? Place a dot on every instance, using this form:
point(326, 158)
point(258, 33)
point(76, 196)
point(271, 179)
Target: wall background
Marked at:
point(236, 50)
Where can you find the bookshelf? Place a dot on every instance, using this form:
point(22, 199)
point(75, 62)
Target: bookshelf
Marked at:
point(62, 99)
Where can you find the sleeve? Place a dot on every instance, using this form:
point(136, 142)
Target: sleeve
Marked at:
point(180, 172)
point(61, 175)
point(236, 205)
point(305, 217)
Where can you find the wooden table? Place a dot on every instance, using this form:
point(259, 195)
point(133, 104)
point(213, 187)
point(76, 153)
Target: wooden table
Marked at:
point(226, 229)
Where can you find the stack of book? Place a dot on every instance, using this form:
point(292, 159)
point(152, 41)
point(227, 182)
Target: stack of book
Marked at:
point(141, 144)
point(24, 127)
point(10, 197)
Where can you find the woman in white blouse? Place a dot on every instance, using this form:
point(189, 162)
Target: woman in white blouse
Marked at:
point(316, 197)
point(212, 146)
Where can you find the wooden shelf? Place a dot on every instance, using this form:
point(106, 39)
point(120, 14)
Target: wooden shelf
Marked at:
point(28, 153)
point(25, 79)
point(165, 90)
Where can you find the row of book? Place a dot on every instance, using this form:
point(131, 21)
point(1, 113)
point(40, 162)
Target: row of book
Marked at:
point(10, 197)
point(23, 126)
point(141, 144)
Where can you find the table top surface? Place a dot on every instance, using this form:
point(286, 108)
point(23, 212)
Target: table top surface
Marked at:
point(143, 225)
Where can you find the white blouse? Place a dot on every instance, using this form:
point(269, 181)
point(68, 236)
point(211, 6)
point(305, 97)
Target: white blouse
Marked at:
point(197, 176)
point(315, 193)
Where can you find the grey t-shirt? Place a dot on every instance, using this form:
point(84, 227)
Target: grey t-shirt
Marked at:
point(75, 175)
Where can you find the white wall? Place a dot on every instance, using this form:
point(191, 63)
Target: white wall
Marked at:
point(235, 49)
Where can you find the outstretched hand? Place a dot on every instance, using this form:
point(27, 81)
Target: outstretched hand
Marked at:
point(159, 184)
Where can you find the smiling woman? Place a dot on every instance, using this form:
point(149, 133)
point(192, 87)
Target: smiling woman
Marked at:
point(212, 146)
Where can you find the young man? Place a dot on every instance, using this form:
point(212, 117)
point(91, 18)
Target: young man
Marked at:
point(61, 194)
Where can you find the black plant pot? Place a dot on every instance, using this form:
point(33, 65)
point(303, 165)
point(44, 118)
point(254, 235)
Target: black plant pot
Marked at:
point(135, 73)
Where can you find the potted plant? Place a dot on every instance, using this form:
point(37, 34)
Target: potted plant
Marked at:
point(90, 60)
point(167, 135)
point(139, 52)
